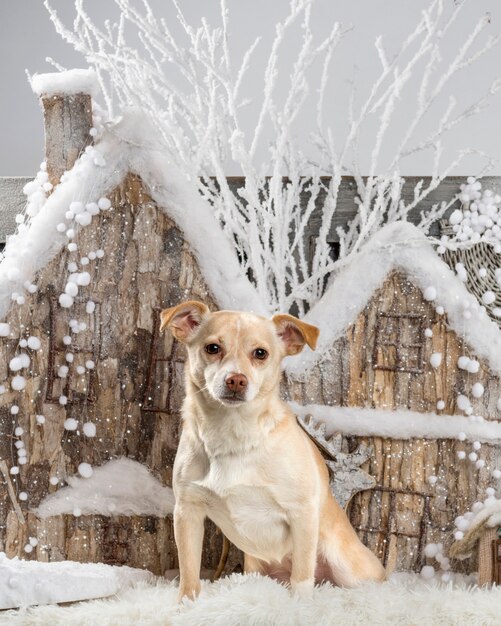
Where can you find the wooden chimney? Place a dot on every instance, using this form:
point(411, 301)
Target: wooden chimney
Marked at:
point(67, 106)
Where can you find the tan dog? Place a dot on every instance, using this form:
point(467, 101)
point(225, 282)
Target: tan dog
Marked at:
point(244, 462)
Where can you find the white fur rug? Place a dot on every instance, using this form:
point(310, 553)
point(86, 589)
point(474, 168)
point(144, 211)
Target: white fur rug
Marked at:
point(254, 600)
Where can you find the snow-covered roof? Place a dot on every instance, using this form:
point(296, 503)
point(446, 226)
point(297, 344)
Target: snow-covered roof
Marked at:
point(398, 246)
point(129, 145)
point(398, 424)
point(68, 82)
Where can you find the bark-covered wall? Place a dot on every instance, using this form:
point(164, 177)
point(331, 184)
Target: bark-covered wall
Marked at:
point(404, 512)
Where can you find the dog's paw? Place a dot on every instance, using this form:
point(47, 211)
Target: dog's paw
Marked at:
point(188, 592)
point(303, 589)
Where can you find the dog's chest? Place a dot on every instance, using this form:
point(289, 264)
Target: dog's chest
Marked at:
point(241, 503)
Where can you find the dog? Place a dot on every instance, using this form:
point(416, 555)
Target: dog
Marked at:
point(244, 462)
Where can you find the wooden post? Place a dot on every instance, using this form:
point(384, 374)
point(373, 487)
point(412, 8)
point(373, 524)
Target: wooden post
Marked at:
point(68, 120)
point(487, 564)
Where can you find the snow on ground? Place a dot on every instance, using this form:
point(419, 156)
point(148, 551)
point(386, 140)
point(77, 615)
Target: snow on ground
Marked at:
point(119, 487)
point(398, 424)
point(253, 599)
point(24, 583)
point(398, 246)
point(68, 82)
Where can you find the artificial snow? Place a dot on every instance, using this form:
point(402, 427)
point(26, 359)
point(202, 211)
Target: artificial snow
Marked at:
point(68, 82)
point(257, 600)
point(130, 145)
point(489, 513)
point(398, 424)
point(25, 583)
point(119, 487)
point(398, 246)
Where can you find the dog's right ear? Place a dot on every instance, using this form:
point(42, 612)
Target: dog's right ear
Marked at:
point(184, 319)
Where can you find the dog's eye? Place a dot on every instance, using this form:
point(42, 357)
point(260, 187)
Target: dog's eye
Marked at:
point(260, 353)
point(212, 348)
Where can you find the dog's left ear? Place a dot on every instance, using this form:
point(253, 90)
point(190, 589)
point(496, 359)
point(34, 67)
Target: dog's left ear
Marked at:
point(184, 319)
point(294, 333)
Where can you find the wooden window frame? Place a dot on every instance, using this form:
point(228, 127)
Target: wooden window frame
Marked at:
point(401, 357)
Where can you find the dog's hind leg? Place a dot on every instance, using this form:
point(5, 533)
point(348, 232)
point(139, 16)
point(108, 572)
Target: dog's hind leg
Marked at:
point(252, 565)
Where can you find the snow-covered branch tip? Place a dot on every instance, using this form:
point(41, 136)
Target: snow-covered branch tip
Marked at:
point(195, 91)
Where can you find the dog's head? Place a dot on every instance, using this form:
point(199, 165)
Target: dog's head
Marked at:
point(235, 357)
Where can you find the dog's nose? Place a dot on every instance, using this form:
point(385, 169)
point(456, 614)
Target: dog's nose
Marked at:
point(236, 382)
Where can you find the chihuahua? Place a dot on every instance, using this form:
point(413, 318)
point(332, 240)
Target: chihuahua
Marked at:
point(244, 462)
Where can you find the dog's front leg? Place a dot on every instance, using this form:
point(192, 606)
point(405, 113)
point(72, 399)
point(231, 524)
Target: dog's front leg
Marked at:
point(304, 531)
point(189, 535)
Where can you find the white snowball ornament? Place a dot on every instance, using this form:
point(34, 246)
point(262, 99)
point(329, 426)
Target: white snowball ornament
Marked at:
point(431, 550)
point(463, 362)
point(15, 364)
point(463, 402)
point(71, 289)
point(34, 343)
point(488, 297)
point(4, 329)
point(84, 219)
point(456, 217)
point(473, 366)
point(428, 572)
point(65, 300)
point(436, 359)
point(70, 424)
point(18, 383)
point(83, 279)
point(477, 390)
point(104, 204)
point(440, 405)
point(430, 293)
point(89, 429)
point(92, 208)
point(85, 470)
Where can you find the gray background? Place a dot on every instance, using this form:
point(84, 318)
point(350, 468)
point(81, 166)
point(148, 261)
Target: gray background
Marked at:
point(27, 36)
